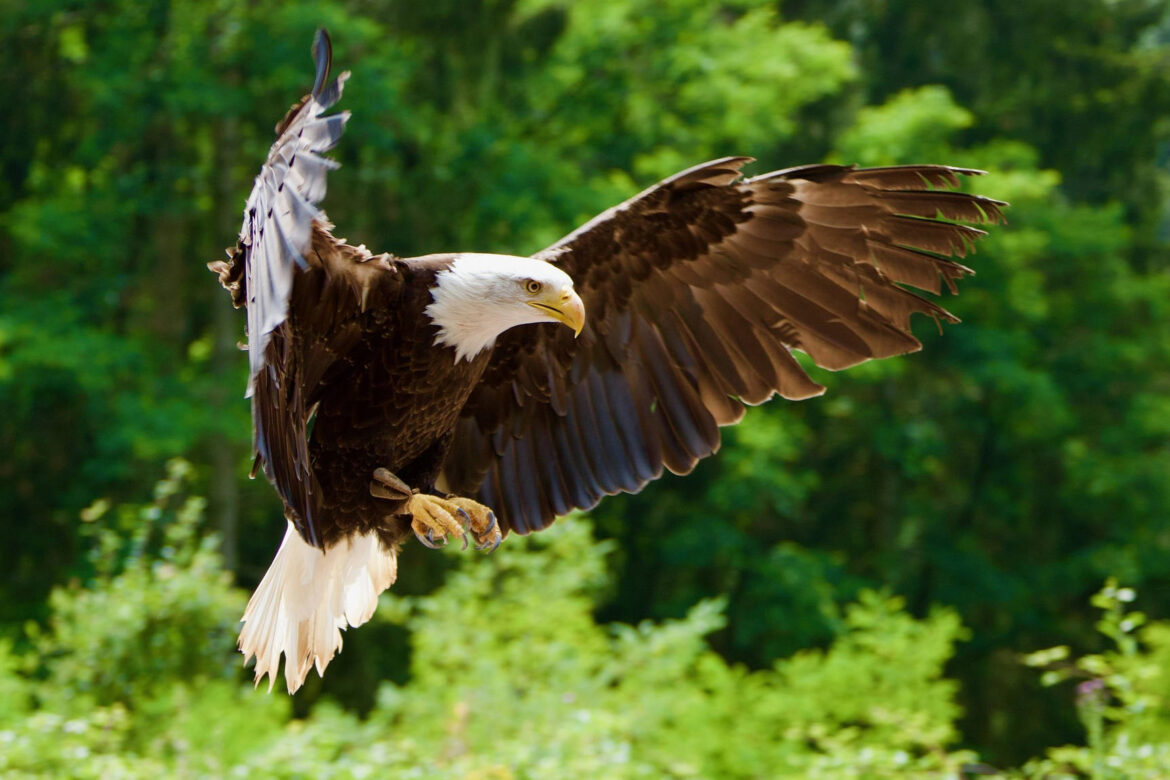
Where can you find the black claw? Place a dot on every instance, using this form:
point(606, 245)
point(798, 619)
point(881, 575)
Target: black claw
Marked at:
point(485, 547)
point(426, 540)
point(466, 524)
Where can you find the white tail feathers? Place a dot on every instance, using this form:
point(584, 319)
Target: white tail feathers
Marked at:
point(306, 598)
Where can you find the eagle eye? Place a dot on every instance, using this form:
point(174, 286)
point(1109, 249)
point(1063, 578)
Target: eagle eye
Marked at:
point(533, 286)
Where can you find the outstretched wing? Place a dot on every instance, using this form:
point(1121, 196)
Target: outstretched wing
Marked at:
point(697, 292)
point(279, 214)
point(304, 290)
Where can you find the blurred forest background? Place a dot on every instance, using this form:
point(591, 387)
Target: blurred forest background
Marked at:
point(895, 579)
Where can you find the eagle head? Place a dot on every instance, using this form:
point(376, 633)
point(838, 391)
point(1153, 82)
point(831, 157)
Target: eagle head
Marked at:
point(479, 296)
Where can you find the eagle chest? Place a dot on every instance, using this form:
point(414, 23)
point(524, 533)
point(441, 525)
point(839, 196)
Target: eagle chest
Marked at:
point(408, 393)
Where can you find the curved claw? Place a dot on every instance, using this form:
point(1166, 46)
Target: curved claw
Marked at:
point(466, 525)
point(425, 541)
point(484, 546)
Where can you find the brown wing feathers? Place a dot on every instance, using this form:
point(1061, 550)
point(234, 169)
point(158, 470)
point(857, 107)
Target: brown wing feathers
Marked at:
point(697, 291)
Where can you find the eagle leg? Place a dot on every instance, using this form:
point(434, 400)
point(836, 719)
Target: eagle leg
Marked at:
point(431, 521)
point(435, 519)
point(482, 521)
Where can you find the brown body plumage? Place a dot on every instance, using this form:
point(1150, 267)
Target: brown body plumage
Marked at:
point(697, 291)
point(389, 405)
point(355, 356)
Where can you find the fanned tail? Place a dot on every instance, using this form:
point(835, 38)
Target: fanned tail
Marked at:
point(305, 600)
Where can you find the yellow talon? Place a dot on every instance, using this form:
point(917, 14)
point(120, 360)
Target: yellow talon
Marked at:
point(436, 519)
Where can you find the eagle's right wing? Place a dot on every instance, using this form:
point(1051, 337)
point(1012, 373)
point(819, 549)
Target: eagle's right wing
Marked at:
point(304, 291)
point(280, 211)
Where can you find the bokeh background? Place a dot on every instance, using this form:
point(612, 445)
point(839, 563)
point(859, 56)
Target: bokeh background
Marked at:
point(955, 561)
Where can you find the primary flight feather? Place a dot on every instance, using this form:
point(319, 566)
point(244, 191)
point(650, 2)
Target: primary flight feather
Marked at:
point(469, 395)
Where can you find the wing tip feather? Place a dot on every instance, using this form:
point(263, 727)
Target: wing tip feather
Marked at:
point(323, 55)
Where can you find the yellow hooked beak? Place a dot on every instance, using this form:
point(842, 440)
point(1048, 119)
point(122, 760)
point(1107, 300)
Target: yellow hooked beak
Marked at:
point(564, 306)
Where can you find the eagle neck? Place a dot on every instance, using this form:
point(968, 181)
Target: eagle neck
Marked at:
point(466, 307)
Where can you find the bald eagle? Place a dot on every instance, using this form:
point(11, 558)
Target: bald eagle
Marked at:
point(467, 395)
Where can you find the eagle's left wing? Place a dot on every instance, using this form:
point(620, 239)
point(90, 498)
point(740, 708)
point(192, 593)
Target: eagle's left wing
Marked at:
point(697, 291)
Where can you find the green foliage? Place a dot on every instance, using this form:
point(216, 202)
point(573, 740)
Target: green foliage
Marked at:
point(1085, 83)
point(915, 124)
point(691, 79)
point(543, 683)
point(1122, 696)
point(136, 669)
point(160, 608)
point(511, 677)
